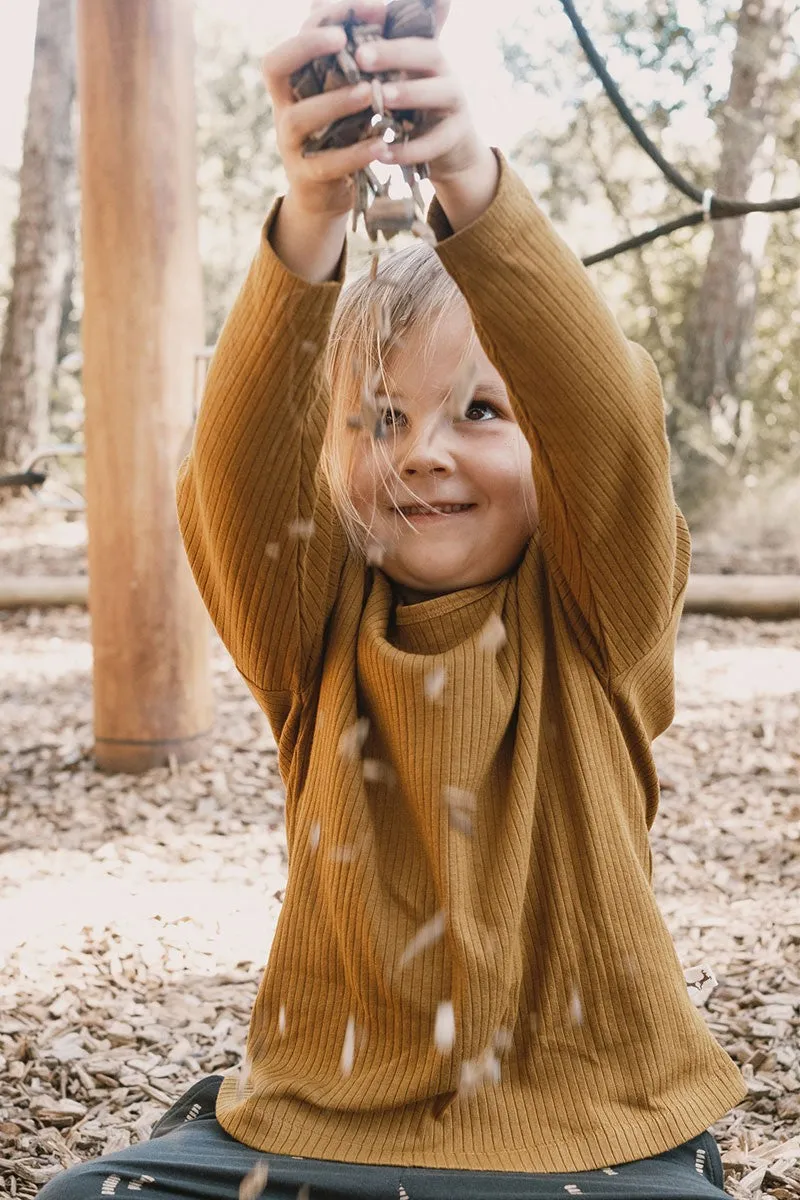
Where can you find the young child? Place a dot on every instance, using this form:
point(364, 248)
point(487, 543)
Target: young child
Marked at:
point(462, 632)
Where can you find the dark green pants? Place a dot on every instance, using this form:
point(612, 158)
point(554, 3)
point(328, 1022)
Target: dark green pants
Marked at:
point(191, 1156)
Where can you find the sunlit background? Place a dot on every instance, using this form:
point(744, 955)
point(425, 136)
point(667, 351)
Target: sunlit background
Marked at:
point(470, 38)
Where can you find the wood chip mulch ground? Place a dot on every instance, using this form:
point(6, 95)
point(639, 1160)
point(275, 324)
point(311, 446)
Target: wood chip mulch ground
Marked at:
point(136, 912)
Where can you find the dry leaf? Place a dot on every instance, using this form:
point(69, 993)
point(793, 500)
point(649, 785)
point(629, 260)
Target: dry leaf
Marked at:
point(444, 1030)
point(349, 1047)
point(430, 933)
point(254, 1182)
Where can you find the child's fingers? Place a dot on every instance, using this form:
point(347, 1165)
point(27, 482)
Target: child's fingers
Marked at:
point(420, 55)
point(323, 12)
point(290, 55)
point(305, 117)
point(435, 143)
point(440, 92)
point(329, 165)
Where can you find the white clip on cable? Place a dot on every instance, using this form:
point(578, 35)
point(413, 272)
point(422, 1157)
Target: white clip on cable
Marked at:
point(708, 199)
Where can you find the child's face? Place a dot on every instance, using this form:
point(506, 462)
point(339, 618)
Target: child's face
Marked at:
point(481, 460)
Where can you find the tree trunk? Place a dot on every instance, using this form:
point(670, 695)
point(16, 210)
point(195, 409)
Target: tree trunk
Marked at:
point(45, 237)
point(718, 328)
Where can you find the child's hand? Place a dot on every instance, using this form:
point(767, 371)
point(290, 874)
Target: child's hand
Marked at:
point(320, 184)
point(451, 148)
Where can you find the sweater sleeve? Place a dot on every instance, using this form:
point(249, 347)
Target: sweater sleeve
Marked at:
point(260, 532)
point(591, 407)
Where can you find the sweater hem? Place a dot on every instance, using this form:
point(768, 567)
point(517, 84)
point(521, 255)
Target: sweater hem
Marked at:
point(621, 1138)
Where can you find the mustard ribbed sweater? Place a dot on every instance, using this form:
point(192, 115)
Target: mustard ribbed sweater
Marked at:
point(576, 1044)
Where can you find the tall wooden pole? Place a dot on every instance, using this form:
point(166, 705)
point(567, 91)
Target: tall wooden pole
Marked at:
point(142, 326)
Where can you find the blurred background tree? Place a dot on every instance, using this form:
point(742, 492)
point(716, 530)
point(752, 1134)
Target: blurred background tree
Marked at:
point(718, 88)
point(718, 91)
point(44, 241)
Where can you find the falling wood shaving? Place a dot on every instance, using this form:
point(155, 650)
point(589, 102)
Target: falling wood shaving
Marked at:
point(430, 933)
point(434, 683)
point(353, 738)
point(503, 1040)
point(254, 1182)
point(444, 1030)
point(459, 798)
point(462, 390)
point(493, 635)
point(369, 416)
point(460, 805)
point(303, 529)
point(476, 1072)
point(348, 1048)
point(376, 771)
point(243, 1077)
point(700, 982)
point(342, 854)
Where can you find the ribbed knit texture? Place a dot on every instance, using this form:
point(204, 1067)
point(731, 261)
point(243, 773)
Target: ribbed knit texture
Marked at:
point(543, 930)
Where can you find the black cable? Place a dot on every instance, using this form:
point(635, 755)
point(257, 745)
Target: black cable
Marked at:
point(714, 207)
point(23, 479)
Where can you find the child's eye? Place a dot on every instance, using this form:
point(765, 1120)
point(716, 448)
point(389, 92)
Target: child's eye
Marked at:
point(391, 418)
point(480, 404)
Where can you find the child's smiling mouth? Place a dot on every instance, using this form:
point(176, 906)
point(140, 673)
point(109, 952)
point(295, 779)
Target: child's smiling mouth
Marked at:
point(419, 512)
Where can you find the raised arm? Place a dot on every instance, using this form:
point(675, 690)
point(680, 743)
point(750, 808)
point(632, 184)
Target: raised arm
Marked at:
point(591, 407)
point(259, 530)
point(261, 534)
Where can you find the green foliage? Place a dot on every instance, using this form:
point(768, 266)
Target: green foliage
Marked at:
point(671, 59)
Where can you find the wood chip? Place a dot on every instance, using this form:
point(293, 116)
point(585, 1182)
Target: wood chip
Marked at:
point(254, 1183)
point(428, 935)
point(444, 1032)
point(348, 1048)
point(353, 738)
point(493, 635)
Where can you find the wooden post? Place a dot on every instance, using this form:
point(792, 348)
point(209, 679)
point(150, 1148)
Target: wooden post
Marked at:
point(142, 325)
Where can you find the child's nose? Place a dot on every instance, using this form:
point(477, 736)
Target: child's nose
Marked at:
point(430, 453)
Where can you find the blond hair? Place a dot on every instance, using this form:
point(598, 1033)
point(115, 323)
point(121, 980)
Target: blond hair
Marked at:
point(412, 289)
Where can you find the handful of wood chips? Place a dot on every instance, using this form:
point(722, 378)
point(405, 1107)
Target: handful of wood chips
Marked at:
point(382, 214)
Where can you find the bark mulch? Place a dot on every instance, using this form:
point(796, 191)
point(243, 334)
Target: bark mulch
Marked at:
point(136, 912)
